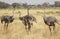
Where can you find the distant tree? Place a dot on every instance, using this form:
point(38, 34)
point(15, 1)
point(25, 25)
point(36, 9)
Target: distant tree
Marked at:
point(4, 5)
point(52, 5)
point(38, 5)
point(25, 5)
point(57, 3)
point(45, 4)
point(15, 5)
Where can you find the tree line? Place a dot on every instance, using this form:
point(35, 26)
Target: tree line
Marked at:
point(25, 5)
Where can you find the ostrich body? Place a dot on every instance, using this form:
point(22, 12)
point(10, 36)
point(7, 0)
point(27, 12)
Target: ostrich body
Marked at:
point(6, 19)
point(26, 20)
point(50, 21)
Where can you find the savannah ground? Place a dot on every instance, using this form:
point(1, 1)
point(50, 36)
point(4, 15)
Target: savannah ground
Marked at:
point(39, 30)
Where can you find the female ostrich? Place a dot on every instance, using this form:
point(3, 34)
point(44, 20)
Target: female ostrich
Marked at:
point(27, 20)
point(50, 21)
point(7, 19)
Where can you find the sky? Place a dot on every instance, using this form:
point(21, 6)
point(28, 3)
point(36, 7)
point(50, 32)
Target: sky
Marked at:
point(33, 2)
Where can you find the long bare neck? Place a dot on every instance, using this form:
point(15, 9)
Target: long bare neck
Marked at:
point(28, 11)
point(44, 13)
point(13, 11)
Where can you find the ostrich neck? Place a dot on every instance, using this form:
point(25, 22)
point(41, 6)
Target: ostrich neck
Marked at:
point(19, 14)
point(28, 11)
point(44, 13)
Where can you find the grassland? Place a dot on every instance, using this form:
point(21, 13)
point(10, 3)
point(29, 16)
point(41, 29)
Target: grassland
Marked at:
point(39, 30)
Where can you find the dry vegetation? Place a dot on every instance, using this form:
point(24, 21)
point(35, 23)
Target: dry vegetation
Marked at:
point(38, 31)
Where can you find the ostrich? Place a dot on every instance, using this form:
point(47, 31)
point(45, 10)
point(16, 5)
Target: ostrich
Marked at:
point(7, 19)
point(27, 20)
point(50, 21)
